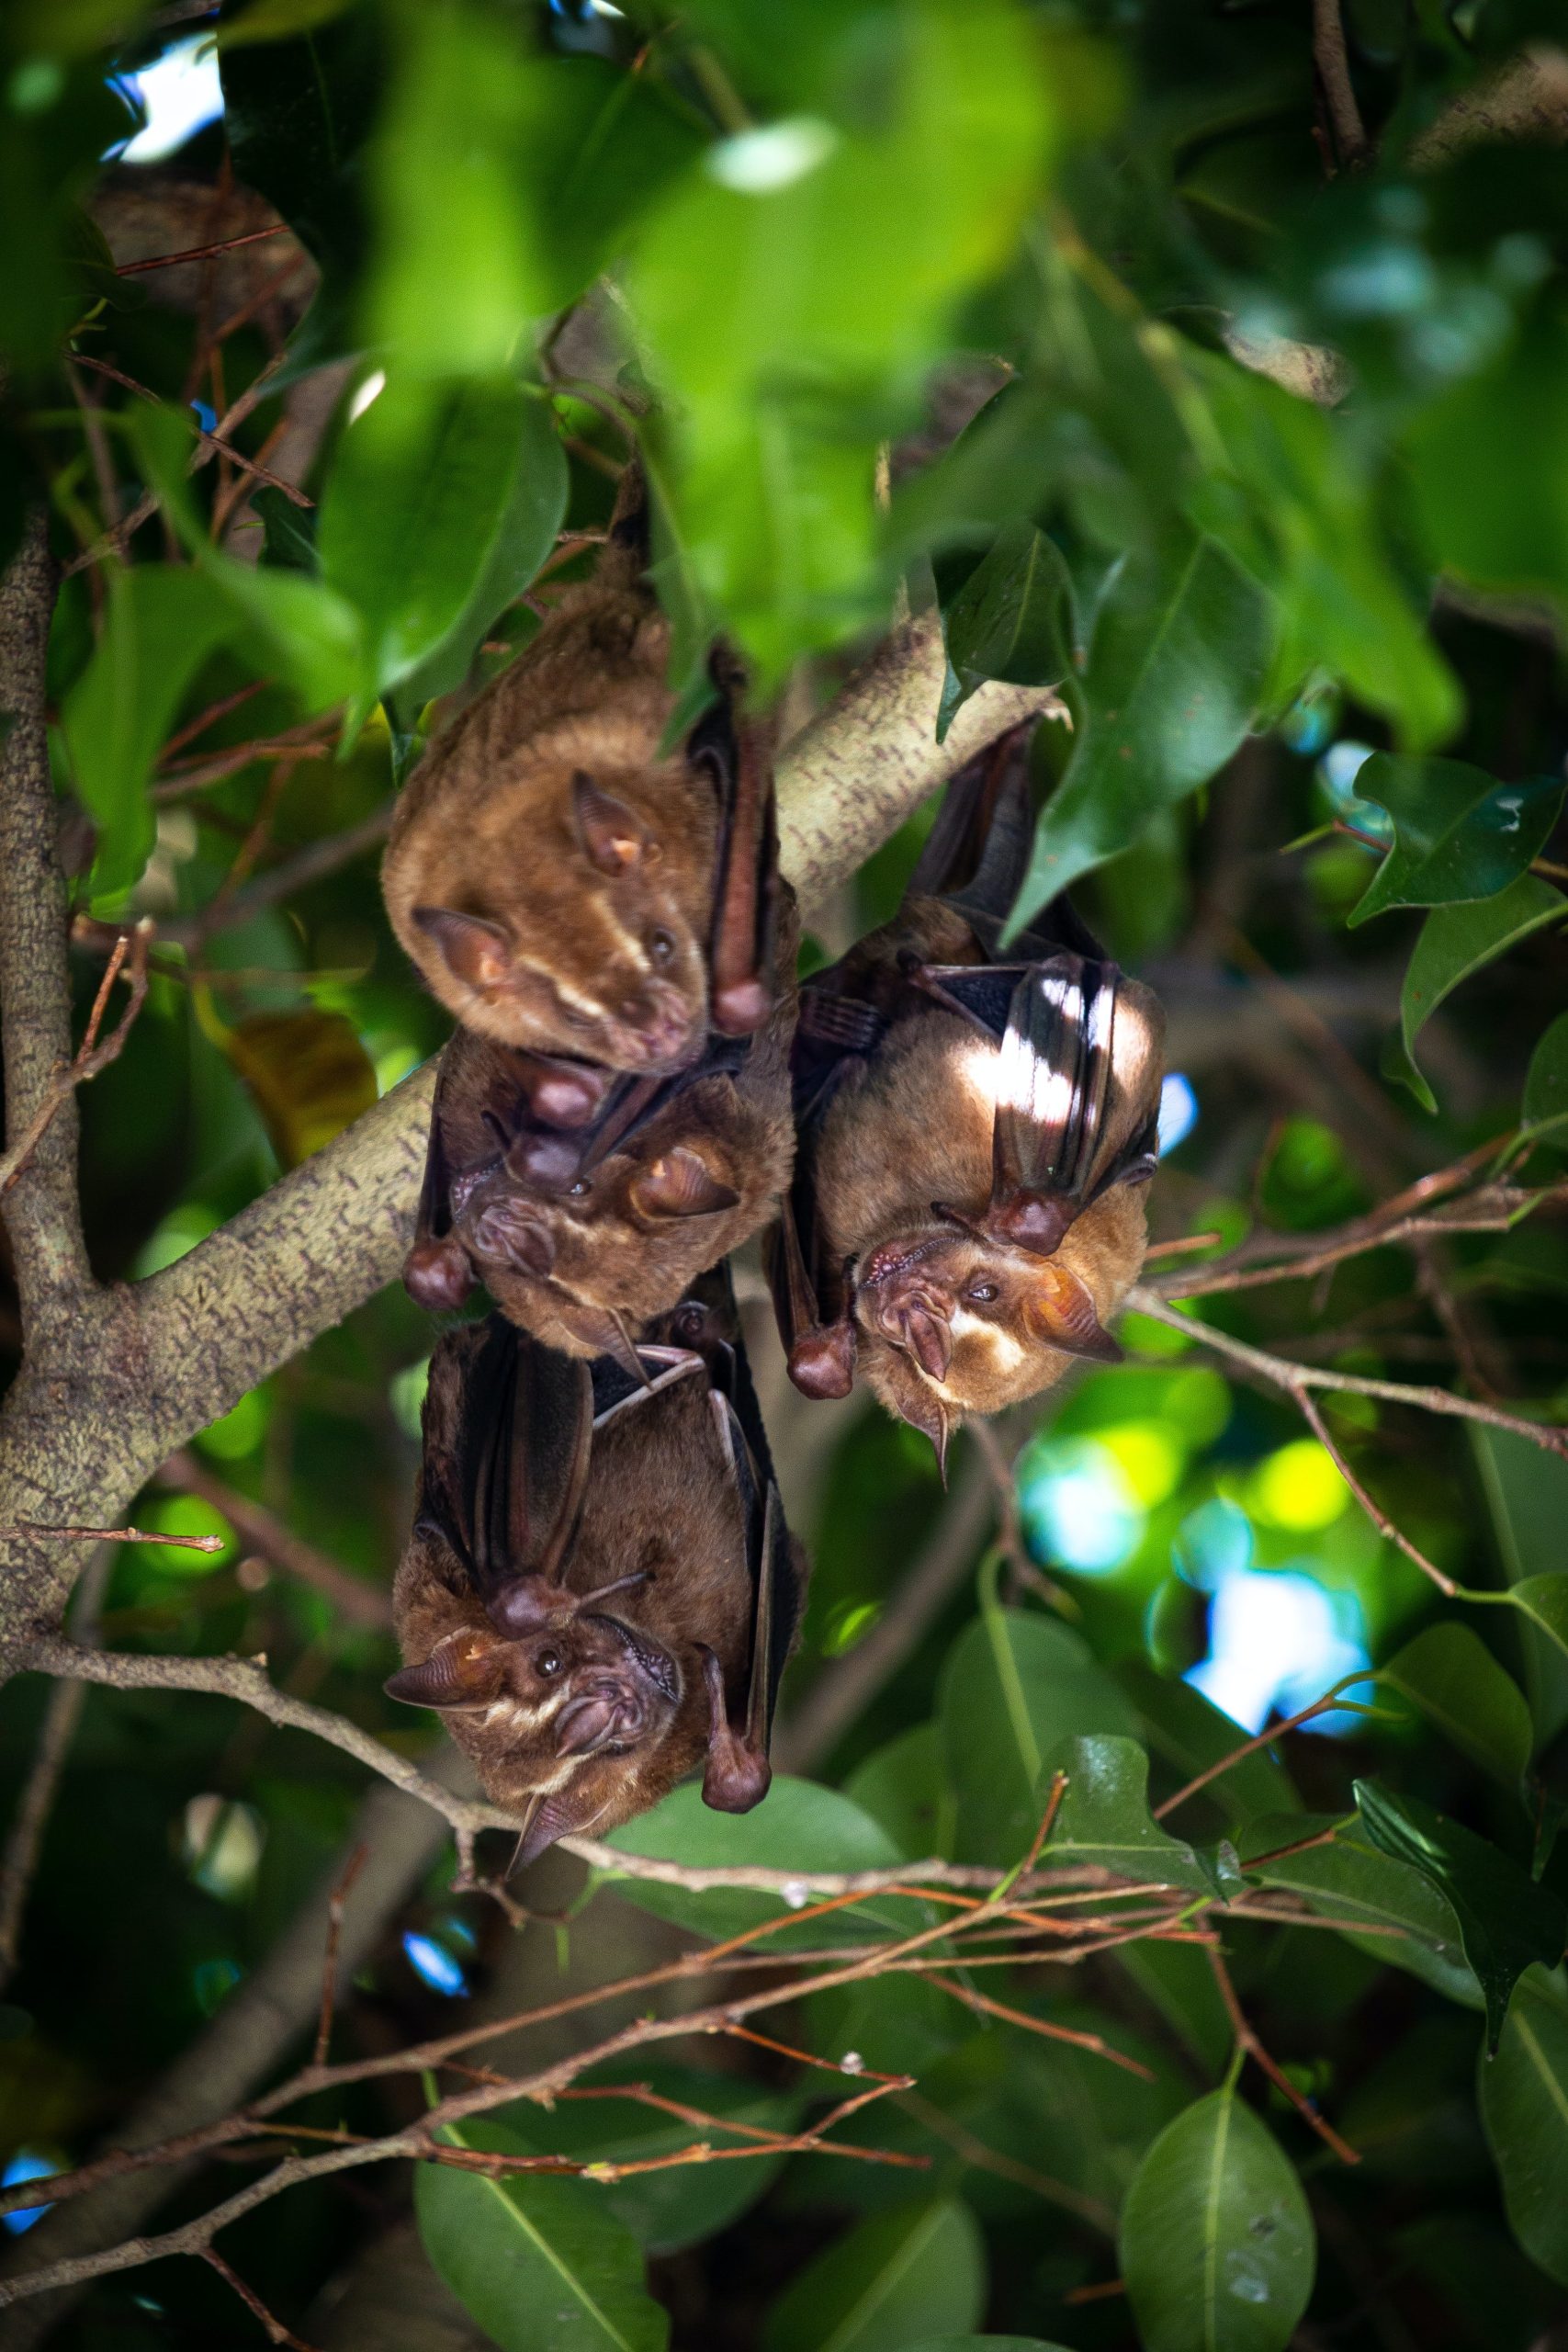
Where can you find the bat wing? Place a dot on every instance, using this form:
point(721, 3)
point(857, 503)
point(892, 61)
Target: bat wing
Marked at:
point(737, 1772)
point(525, 1433)
point(742, 941)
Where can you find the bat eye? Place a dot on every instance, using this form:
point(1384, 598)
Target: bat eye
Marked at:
point(981, 1294)
point(549, 1662)
point(581, 1187)
point(660, 945)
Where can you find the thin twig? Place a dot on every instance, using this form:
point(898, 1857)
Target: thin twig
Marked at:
point(277, 2332)
point(1351, 146)
point(1249, 2040)
point(129, 955)
point(1324, 1706)
point(213, 443)
point(329, 1967)
point(200, 252)
point(34, 1531)
point(1373, 1509)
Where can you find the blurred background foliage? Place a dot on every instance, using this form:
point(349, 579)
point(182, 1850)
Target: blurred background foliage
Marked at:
point(1102, 328)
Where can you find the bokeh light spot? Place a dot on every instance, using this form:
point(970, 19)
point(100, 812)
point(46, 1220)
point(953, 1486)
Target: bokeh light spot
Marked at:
point(28, 2163)
point(433, 1965)
point(1298, 1488)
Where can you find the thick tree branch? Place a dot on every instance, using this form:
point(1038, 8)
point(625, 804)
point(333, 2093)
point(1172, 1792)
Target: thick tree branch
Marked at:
point(42, 1211)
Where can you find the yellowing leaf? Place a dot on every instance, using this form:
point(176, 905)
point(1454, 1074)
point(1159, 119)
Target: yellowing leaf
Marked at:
point(307, 1074)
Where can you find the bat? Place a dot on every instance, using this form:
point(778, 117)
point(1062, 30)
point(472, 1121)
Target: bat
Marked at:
point(584, 1234)
point(600, 1593)
point(566, 884)
point(975, 1131)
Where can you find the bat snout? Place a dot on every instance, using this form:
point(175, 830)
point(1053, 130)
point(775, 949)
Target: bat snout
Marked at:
point(656, 1028)
point(614, 1710)
point(921, 1322)
point(506, 1234)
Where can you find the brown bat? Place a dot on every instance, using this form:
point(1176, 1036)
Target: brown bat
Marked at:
point(582, 1235)
point(566, 884)
point(974, 1135)
point(600, 1592)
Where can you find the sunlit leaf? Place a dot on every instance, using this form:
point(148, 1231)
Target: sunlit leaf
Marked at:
point(920, 2266)
point(1523, 2091)
point(1505, 1918)
point(1449, 1674)
point(307, 1074)
point(1014, 1687)
point(443, 501)
point(1456, 941)
point(540, 2263)
point(1176, 667)
point(1217, 2244)
point(1459, 833)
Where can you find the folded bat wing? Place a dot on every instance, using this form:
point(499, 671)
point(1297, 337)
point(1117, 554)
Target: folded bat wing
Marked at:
point(525, 1427)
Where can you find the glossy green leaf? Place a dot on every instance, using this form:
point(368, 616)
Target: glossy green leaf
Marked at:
point(1545, 1105)
point(1523, 2093)
point(1014, 1687)
point(1385, 1907)
point(1188, 1733)
point(1217, 2244)
point(1010, 621)
point(1506, 1919)
point(1104, 1819)
point(799, 1827)
point(1454, 943)
point(443, 502)
point(1176, 668)
point(664, 2211)
point(457, 278)
point(904, 1787)
point(163, 622)
point(1449, 1674)
point(1526, 1493)
point(922, 2266)
point(540, 2263)
point(1459, 834)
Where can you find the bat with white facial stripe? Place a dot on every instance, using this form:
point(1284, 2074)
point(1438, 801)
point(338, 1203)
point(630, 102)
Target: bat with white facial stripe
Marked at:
point(600, 1593)
point(567, 885)
point(975, 1130)
point(584, 1233)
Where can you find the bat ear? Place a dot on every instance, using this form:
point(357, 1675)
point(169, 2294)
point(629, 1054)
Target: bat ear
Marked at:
point(681, 1184)
point(457, 1674)
point(508, 1239)
point(609, 834)
point(1061, 1312)
point(565, 1812)
point(473, 950)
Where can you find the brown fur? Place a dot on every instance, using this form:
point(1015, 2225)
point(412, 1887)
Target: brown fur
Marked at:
point(661, 1500)
point(485, 828)
point(611, 1257)
point(913, 1125)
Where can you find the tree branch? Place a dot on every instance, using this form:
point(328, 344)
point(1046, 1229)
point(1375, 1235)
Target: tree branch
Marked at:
point(42, 1211)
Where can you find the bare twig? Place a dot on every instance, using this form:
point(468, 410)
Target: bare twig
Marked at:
point(34, 1533)
point(353, 1597)
point(1375, 1511)
point(1265, 1738)
point(1351, 146)
point(277, 2332)
point(329, 1966)
point(128, 956)
point(213, 443)
point(201, 252)
point(1249, 2040)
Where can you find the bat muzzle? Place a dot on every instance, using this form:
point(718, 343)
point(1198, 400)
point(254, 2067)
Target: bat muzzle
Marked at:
point(656, 1031)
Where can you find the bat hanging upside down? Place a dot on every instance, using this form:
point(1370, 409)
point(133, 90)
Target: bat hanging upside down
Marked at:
point(600, 1593)
point(587, 1159)
point(975, 1131)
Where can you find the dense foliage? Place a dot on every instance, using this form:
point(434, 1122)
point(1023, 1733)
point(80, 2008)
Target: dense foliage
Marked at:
point(1113, 331)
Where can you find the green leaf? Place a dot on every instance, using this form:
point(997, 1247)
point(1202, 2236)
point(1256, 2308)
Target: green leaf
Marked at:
point(920, 2266)
point(1505, 1918)
point(1450, 1674)
point(1523, 2093)
point(1014, 1687)
point(904, 1787)
point(1188, 1733)
point(1527, 1492)
point(1456, 941)
point(800, 1827)
point(443, 501)
point(276, 20)
point(1010, 621)
point(1458, 834)
point(163, 622)
point(457, 277)
point(1351, 1883)
point(288, 531)
point(1545, 1106)
point(1104, 1819)
point(1176, 668)
point(540, 2263)
point(983, 2344)
point(1217, 2245)
point(663, 2210)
